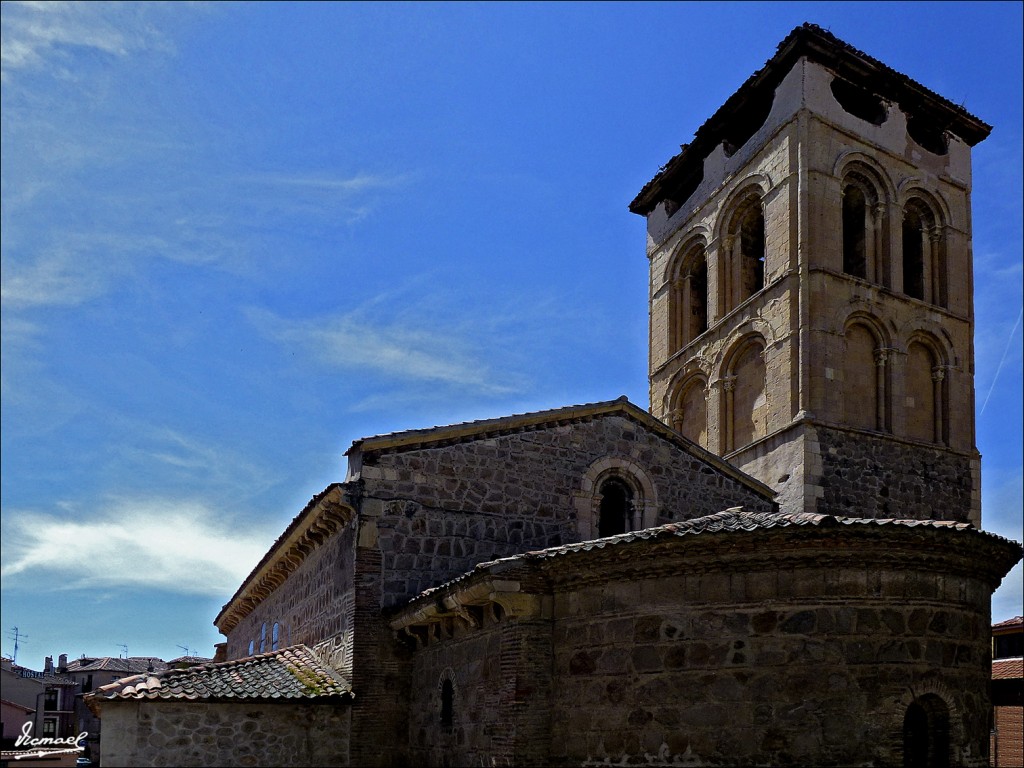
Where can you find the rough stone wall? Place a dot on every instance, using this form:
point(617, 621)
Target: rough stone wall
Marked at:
point(438, 511)
point(773, 666)
point(868, 476)
point(501, 674)
point(313, 605)
point(155, 733)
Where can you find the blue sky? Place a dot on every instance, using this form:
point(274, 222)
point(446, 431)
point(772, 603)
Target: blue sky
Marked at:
point(237, 237)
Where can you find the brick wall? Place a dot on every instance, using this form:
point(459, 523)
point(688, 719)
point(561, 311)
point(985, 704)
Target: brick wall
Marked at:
point(1007, 740)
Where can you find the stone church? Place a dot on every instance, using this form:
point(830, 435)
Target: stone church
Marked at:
point(779, 563)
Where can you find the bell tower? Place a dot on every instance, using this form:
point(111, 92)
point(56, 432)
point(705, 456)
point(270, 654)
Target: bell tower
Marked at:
point(811, 290)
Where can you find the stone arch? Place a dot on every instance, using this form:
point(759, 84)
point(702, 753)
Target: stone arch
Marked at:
point(926, 390)
point(447, 695)
point(865, 382)
point(865, 192)
point(744, 400)
point(742, 246)
point(687, 277)
point(923, 242)
point(937, 704)
point(688, 407)
point(643, 496)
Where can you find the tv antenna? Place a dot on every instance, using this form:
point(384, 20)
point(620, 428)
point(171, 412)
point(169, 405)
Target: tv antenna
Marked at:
point(124, 648)
point(17, 636)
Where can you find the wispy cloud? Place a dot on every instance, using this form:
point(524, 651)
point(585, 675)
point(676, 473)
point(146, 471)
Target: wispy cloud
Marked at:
point(43, 35)
point(136, 544)
point(397, 350)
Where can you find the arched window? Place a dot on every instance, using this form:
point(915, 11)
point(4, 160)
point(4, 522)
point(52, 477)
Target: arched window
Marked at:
point(447, 704)
point(924, 253)
point(855, 207)
point(743, 268)
point(745, 398)
point(690, 414)
point(252, 647)
point(865, 379)
point(616, 510)
point(263, 638)
point(925, 388)
point(689, 303)
point(926, 733)
point(275, 637)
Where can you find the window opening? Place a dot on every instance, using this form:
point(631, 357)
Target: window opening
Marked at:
point(854, 231)
point(274, 637)
point(616, 511)
point(926, 733)
point(913, 254)
point(447, 704)
point(752, 249)
point(263, 638)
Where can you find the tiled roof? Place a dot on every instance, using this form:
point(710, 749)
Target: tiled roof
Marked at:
point(295, 672)
point(732, 520)
point(1007, 669)
point(189, 660)
point(132, 665)
point(1014, 623)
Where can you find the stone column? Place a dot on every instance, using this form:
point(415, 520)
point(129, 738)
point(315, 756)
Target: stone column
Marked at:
point(933, 257)
point(686, 316)
point(728, 390)
point(881, 358)
point(879, 258)
point(938, 377)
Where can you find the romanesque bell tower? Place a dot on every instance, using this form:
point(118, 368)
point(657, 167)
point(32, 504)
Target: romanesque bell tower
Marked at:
point(811, 294)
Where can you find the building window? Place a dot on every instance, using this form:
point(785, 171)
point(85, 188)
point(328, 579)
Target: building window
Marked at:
point(87, 685)
point(616, 510)
point(447, 704)
point(50, 700)
point(50, 727)
point(252, 647)
point(743, 265)
point(263, 638)
point(924, 254)
point(688, 312)
point(275, 636)
point(926, 733)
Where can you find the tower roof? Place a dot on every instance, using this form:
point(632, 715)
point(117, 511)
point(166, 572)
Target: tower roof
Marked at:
point(821, 46)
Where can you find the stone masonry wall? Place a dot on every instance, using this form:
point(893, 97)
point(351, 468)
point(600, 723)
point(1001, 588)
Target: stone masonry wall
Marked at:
point(806, 666)
point(313, 605)
point(439, 511)
point(866, 476)
point(224, 734)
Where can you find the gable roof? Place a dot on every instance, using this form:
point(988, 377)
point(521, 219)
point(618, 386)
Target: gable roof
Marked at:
point(505, 425)
point(820, 46)
point(295, 672)
point(132, 665)
point(1007, 669)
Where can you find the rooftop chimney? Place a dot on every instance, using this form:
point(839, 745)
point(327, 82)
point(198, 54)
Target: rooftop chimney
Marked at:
point(48, 665)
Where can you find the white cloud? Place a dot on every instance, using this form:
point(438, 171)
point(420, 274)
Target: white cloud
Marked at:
point(397, 350)
point(139, 544)
point(41, 35)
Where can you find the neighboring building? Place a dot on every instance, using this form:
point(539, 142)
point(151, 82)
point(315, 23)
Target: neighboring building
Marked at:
point(1007, 741)
point(49, 696)
point(780, 563)
point(91, 672)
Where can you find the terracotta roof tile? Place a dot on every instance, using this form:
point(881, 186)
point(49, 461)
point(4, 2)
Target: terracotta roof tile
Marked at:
point(295, 672)
point(1016, 621)
point(1007, 669)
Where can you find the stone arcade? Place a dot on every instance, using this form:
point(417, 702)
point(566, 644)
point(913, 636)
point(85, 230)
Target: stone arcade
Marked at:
point(779, 563)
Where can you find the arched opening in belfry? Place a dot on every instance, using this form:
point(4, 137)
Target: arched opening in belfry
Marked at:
point(926, 733)
point(616, 509)
point(915, 232)
point(855, 214)
point(752, 252)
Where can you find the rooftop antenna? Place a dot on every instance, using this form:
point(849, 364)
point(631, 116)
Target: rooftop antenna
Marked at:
point(185, 649)
point(17, 636)
point(124, 648)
